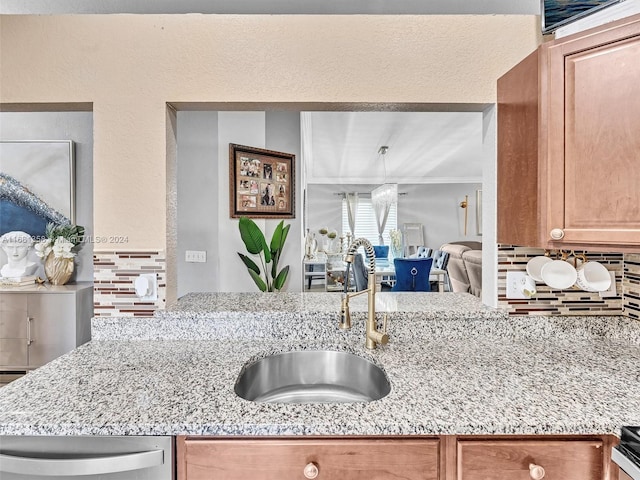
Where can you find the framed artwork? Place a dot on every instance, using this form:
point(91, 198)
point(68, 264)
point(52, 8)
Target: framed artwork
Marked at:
point(261, 183)
point(37, 181)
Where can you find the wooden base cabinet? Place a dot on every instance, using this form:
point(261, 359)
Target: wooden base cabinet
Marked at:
point(448, 457)
point(300, 459)
point(568, 163)
point(530, 460)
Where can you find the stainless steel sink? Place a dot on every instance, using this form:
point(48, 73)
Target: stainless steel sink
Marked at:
point(312, 376)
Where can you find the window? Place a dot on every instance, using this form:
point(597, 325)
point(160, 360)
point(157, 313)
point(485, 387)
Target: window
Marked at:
point(366, 225)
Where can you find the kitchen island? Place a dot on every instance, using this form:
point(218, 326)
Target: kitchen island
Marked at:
point(455, 367)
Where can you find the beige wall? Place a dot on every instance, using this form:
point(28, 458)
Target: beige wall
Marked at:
point(130, 66)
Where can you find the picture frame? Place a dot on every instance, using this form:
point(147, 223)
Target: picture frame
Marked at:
point(261, 183)
point(38, 185)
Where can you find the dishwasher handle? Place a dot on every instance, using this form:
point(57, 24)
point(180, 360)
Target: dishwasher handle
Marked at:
point(55, 467)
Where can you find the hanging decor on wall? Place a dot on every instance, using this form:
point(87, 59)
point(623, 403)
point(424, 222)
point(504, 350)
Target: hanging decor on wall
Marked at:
point(465, 206)
point(261, 183)
point(36, 185)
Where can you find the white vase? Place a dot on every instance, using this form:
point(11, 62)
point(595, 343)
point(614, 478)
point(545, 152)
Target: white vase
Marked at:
point(396, 251)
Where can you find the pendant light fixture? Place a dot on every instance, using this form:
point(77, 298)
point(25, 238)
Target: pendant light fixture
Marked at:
point(386, 194)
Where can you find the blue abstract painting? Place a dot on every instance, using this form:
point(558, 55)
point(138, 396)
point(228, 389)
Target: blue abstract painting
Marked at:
point(556, 13)
point(36, 185)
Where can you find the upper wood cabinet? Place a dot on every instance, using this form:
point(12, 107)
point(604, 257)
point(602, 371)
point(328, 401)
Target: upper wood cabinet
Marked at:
point(624, 476)
point(569, 143)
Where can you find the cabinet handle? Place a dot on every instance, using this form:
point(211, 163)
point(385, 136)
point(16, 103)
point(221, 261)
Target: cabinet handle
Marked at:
point(29, 339)
point(73, 467)
point(310, 470)
point(536, 472)
point(557, 234)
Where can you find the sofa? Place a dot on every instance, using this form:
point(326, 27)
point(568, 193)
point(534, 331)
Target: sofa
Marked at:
point(465, 266)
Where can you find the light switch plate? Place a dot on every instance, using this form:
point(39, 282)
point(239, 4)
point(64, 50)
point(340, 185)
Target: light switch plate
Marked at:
point(612, 289)
point(195, 256)
point(514, 280)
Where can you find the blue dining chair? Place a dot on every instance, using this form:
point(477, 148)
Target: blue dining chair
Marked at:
point(412, 274)
point(381, 251)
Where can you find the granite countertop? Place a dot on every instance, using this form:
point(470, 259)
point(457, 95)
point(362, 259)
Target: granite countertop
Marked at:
point(211, 315)
point(473, 374)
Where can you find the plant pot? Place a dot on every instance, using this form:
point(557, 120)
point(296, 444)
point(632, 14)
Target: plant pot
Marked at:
point(58, 270)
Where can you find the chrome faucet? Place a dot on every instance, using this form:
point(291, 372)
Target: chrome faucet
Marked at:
point(373, 336)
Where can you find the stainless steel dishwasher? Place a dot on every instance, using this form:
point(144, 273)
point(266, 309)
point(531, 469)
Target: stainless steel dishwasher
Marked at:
point(627, 453)
point(86, 458)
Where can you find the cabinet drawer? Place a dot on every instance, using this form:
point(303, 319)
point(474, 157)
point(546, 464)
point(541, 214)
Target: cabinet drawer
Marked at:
point(344, 459)
point(510, 460)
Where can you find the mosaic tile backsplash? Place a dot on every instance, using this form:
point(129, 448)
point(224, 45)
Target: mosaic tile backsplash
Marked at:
point(114, 276)
point(115, 272)
point(561, 302)
point(631, 285)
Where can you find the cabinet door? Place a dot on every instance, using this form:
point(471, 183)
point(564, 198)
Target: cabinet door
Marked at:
point(512, 460)
point(286, 459)
point(594, 140)
point(14, 330)
point(53, 326)
point(624, 476)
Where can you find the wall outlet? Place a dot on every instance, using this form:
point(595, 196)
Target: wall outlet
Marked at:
point(612, 289)
point(146, 287)
point(514, 280)
point(195, 256)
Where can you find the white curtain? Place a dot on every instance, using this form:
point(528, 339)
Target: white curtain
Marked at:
point(352, 209)
point(382, 212)
point(382, 198)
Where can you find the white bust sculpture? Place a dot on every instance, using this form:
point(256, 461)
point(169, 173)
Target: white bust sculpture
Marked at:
point(16, 245)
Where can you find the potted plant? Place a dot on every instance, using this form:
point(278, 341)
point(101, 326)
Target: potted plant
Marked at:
point(57, 250)
point(267, 278)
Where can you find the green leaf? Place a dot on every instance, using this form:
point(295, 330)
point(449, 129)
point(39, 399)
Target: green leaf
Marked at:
point(281, 278)
point(277, 244)
point(285, 233)
point(279, 237)
point(259, 281)
point(266, 251)
point(250, 264)
point(251, 235)
point(276, 239)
